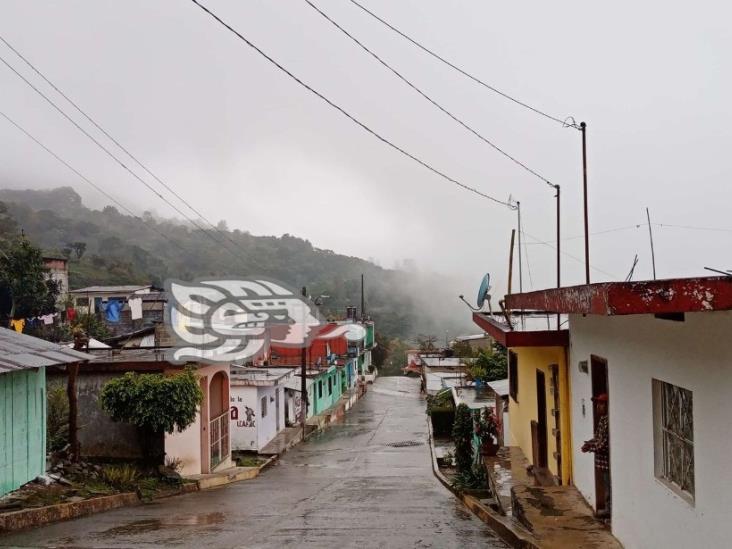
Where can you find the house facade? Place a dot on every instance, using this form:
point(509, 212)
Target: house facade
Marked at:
point(258, 405)
point(23, 362)
point(203, 447)
point(659, 350)
point(539, 396)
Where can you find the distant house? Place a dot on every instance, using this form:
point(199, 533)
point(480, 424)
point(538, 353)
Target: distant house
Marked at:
point(257, 404)
point(476, 341)
point(90, 299)
point(661, 351)
point(58, 271)
point(23, 362)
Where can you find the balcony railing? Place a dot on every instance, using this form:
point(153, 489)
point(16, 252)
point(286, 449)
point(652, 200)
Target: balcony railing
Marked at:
point(219, 430)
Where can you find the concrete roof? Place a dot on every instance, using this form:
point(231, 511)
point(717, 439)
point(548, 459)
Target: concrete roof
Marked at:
point(500, 386)
point(473, 397)
point(248, 376)
point(671, 296)
point(21, 352)
point(443, 362)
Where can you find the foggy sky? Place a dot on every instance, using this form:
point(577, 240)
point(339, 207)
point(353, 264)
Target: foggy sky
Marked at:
point(244, 143)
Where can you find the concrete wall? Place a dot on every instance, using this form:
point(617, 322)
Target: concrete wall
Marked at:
point(695, 354)
point(22, 427)
point(99, 436)
point(251, 431)
point(523, 412)
point(192, 446)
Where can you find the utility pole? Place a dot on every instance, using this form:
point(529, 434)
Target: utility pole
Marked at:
point(363, 300)
point(304, 370)
point(583, 129)
point(650, 236)
point(559, 245)
point(521, 277)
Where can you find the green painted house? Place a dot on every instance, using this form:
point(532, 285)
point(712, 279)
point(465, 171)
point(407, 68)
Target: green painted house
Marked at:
point(23, 360)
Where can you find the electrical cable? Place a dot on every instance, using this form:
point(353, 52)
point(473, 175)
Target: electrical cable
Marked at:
point(577, 237)
point(346, 113)
point(574, 257)
point(566, 122)
point(427, 97)
point(111, 155)
point(87, 180)
point(101, 129)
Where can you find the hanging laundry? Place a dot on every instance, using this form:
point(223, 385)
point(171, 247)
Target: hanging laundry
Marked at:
point(112, 310)
point(18, 324)
point(135, 307)
point(48, 319)
point(70, 314)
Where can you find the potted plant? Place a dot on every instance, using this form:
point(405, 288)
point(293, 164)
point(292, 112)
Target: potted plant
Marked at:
point(487, 430)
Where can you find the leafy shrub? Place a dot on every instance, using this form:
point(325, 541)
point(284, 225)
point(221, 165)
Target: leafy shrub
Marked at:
point(490, 364)
point(57, 418)
point(173, 464)
point(121, 477)
point(462, 434)
point(153, 402)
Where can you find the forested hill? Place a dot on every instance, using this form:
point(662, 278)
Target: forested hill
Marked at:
point(108, 247)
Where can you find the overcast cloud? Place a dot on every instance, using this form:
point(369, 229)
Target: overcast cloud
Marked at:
point(244, 143)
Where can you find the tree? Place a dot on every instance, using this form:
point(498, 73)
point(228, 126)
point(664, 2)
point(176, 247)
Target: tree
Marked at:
point(462, 435)
point(25, 280)
point(490, 364)
point(463, 349)
point(78, 248)
point(154, 403)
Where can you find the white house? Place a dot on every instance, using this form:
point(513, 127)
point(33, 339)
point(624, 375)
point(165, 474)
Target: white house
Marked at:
point(662, 352)
point(257, 405)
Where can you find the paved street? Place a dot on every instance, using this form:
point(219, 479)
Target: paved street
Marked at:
point(366, 482)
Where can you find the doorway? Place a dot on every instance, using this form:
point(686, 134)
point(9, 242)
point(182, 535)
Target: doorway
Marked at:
point(598, 370)
point(541, 458)
point(277, 409)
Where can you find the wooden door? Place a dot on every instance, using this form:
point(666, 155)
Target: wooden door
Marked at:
point(541, 420)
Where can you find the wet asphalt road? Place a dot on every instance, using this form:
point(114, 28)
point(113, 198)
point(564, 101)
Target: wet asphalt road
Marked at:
point(346, 487)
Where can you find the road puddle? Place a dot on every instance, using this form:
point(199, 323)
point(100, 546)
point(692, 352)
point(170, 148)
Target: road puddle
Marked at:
point(153, 525)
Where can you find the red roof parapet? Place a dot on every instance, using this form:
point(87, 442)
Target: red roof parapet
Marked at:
point(678, 295)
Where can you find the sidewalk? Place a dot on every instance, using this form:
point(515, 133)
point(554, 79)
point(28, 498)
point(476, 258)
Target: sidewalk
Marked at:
point(557, 516)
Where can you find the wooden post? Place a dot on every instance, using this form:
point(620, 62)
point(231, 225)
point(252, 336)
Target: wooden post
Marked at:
point(72, 374)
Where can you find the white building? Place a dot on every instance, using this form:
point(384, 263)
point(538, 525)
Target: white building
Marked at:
point(662, 352)
point(257, 405)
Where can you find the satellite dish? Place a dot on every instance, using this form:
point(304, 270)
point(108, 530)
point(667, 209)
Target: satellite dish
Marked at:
point(485, 287)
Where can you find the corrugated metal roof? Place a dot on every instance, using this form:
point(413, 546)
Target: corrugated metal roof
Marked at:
point(111, 289)
point(21, 352)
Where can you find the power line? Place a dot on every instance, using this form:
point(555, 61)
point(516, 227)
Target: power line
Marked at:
point(427, 97)
point(692, 228)
point(574, 257)
point(84, 178)
point(577, 237)
point(101, 129)
point(111, 155)
point(566, 122)
point(526, 253)
point(346, 113)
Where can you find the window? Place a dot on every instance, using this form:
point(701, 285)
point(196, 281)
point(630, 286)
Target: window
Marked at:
point(513, 375)
point(330, 386)
point(320, 388)
point(673, 420)
point(264, 406)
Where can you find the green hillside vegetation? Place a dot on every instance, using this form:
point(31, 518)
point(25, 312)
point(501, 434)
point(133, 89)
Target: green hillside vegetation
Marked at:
point(108, 247)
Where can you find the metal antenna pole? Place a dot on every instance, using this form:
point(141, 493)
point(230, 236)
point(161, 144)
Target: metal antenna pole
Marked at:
point(583, 129)
point(650, 235)
point(521, 278)
point(304, 371)
point(559, 246)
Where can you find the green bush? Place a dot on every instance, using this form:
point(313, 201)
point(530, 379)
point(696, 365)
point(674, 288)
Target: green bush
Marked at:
point(57, 418)
point(490, 365)
point(462, 434)
point(153, 402)
point(121, 477)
